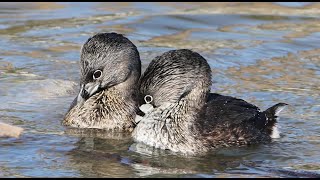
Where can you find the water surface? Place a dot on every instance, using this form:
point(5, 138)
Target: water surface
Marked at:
point(261, 52)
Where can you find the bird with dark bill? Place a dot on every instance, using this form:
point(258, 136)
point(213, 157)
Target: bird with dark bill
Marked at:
point(177, 111)
point(110, 68)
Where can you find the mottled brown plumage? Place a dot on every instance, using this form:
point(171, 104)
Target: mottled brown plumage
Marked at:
point(110, 68)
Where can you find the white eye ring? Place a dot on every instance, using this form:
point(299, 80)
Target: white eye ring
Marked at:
point(97, 74)
point(148, 96)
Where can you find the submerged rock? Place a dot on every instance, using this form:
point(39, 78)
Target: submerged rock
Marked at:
point(7, 130)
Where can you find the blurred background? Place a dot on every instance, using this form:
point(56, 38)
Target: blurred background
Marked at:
point(258, 51)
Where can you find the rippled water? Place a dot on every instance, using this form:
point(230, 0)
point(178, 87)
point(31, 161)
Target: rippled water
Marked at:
point(261, 52)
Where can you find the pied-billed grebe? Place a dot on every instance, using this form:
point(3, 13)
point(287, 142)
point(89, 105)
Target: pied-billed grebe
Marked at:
point(110, 69)
point(187, 118)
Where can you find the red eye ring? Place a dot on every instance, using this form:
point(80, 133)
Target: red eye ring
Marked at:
point(97, 74)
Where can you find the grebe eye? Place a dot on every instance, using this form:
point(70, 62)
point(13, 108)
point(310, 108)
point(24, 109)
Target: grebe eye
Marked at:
point(97, 74)
point(148, 99)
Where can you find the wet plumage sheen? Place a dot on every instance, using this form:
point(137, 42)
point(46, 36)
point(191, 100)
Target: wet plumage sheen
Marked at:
point(187, 118)
point(110, 69)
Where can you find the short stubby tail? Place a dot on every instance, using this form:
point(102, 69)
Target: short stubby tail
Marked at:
point(271, 121)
